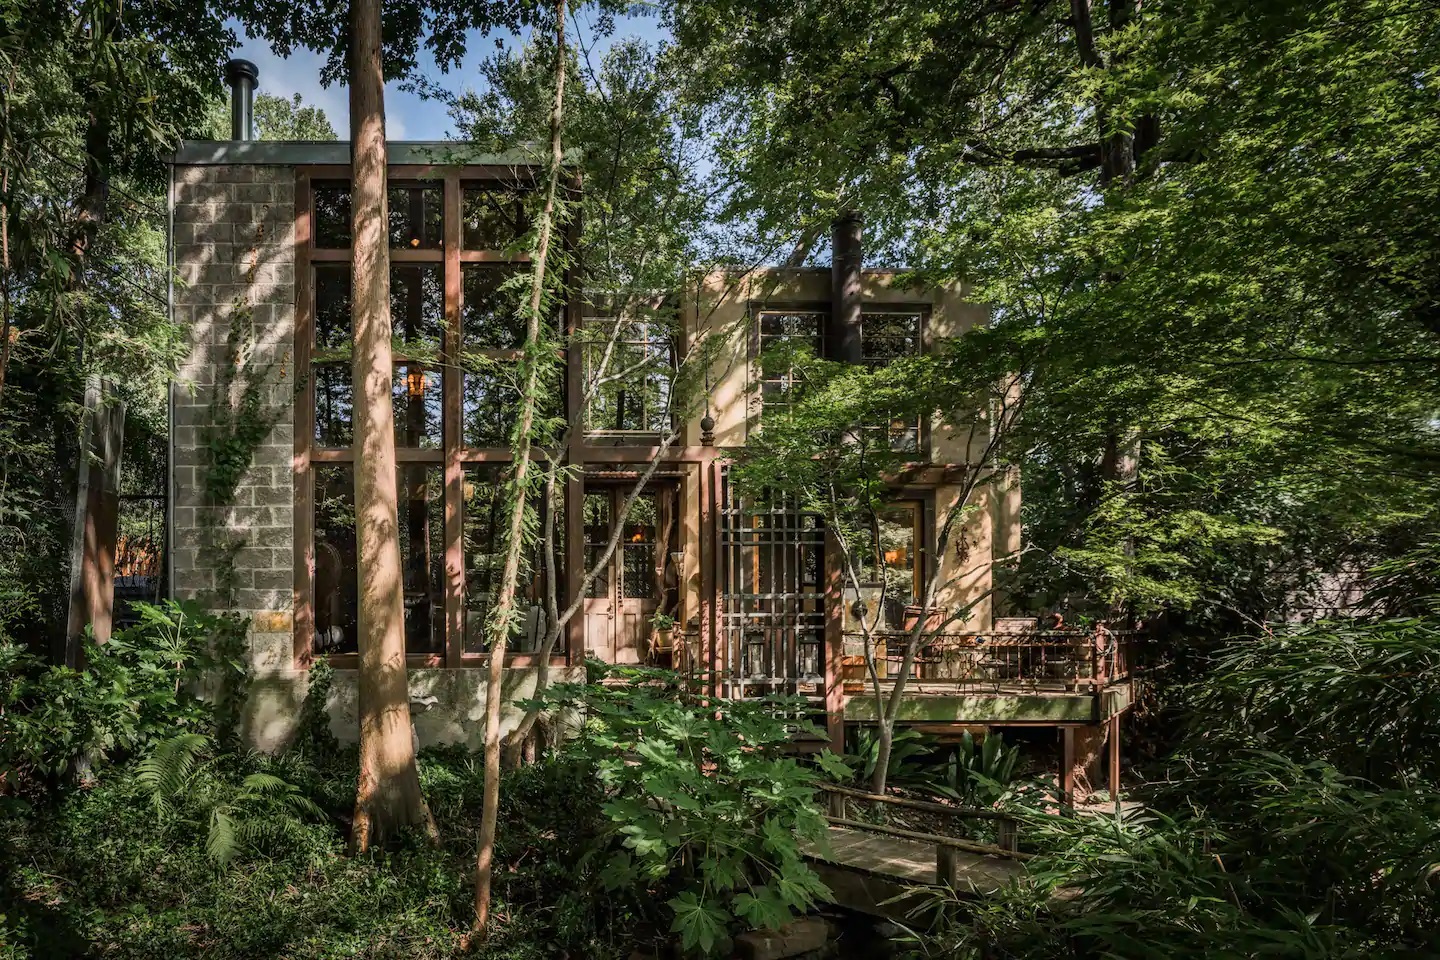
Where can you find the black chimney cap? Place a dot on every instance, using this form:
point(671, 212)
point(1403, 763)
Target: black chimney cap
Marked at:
point(235, 69)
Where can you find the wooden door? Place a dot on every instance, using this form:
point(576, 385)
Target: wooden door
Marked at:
point(620, 600)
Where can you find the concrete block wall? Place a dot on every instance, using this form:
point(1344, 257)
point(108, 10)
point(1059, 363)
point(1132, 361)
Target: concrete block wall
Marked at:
point(234, 237)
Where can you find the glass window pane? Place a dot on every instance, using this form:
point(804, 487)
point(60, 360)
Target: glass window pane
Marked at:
point(417, 406)
point(597, 534)
point(885, 336)
point(637, 543)
point(333, 326)
point(417, 308)
point(484, 508)
point(489, 316)
point(333, 585)
point(333, 404)
point(417, 215)
point(421, 505)
point(331, 200)
point(494, 217)
point(485, 518)
point(490, 405)
point(894, 567)
point(792, 328)
point(638, 401)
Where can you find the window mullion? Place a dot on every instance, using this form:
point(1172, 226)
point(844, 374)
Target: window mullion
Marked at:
point(451, 384)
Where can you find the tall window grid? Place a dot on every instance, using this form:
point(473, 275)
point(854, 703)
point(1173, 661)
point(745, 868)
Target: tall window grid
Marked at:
point(456, 280)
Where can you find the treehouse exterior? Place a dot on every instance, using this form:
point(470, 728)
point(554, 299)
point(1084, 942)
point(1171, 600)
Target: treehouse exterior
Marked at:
point(262, 466)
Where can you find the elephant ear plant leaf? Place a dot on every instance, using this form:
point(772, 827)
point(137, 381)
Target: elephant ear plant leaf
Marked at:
point(702, 805)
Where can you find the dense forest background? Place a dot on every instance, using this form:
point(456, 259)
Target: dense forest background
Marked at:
point(1210, 235)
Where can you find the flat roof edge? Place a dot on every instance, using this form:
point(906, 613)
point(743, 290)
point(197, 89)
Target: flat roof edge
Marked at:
point(286, 153)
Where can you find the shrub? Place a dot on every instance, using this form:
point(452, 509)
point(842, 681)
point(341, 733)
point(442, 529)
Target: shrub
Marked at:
point(700, 804)
point(178, 670)
point(1298, 818)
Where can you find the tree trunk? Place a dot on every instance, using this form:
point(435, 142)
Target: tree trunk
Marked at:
point(387, 796)
point(884, 743)
point(499, 625)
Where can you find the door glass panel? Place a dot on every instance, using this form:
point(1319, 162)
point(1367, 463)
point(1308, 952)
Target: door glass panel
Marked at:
point(638, 545)
point(597, 534)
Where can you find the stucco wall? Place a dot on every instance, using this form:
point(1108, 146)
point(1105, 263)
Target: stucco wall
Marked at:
point(721, 313)
point(234, 251)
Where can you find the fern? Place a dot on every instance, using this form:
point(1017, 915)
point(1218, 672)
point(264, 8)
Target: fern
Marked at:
point(169, 767)
point(261, 808)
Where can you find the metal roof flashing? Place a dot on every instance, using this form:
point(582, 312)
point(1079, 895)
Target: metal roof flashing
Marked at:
point(294, 153)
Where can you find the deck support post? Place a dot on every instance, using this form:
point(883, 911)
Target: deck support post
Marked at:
point(947, 866)
point(1007, 835)
point(1114, 778)
point(1067, 767)
point(835, 805)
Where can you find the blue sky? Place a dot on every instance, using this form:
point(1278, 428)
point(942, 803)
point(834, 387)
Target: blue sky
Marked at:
point(409, 117)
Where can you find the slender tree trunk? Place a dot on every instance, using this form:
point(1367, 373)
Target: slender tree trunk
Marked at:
point(1120, 457)
point(387, 796)
point(499, 625)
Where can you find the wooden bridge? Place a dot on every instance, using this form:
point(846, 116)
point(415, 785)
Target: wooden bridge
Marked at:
point(892, 872)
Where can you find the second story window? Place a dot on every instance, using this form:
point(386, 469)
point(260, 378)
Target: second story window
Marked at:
point(782, 379)
point(629, 369)
point(884, 337)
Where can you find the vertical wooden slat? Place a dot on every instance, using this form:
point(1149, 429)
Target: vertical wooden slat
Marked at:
point(834, 644)
point(575, 563)
point(451, 397)
point(574, 488)
point(1114, 783)
point(304, 516)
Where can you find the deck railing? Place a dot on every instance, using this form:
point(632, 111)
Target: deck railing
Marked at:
point(1039, 660)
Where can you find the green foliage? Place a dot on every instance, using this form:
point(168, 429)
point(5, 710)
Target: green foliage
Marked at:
point(261, 809)
point(975, 775)
point(978, 777)
point(702, 806)
point(102, 870)
point(1298, 818)
point(178, 670)
point(279, 119)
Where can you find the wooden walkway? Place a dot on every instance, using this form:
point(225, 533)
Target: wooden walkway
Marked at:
point(912, 862)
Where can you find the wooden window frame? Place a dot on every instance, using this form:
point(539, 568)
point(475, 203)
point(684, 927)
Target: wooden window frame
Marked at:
point(922, 346)
point(451, 455)
point(660, 336)
point(757, 311)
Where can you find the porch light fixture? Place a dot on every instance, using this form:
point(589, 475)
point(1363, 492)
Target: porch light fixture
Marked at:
point(415, 383)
